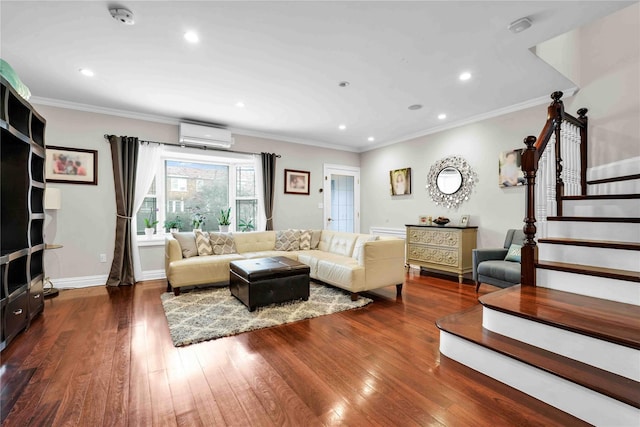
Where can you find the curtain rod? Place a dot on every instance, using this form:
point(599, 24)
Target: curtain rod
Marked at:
point(204, 147)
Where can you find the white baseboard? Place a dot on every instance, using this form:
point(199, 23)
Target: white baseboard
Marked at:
point(79, 282)
point(100, 280)
point(153, 275)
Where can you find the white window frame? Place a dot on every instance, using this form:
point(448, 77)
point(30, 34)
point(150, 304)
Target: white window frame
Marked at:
point(232, 160)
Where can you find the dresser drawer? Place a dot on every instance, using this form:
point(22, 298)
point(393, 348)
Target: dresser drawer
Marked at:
point(446, 238)
point(15, 316)
point(434, 255)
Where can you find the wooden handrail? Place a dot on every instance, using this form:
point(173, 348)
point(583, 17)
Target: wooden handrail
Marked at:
point(530, 159)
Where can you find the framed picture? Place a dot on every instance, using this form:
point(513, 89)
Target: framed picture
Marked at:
point(510, 169)
point(296, 182)
point(423, 219)
point(464, 220)
point(400, 181)
point(71, 165)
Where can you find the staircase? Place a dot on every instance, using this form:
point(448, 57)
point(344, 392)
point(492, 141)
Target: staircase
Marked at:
point(570, 334)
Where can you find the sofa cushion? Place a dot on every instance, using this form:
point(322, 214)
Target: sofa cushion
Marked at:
point(287, 240)
point(514, 253)
point(343, 243)
point(222, 243)
point(255, 241)
point(358, 248)
point(270, 254)
point(203, 244)
point(187, 242)
point(200, 270)
point(507, 271)
point(348, 275)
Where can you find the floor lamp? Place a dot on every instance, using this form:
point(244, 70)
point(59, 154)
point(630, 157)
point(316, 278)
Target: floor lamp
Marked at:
point(52, 202)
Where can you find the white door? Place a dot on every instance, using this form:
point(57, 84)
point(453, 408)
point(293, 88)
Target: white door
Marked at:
point(342, 198)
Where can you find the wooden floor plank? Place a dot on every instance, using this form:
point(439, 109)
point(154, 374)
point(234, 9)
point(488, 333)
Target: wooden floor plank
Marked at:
point(378, 365)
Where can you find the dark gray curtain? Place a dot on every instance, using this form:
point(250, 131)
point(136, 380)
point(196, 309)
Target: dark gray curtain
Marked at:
point(269, 183)
point(124, 157)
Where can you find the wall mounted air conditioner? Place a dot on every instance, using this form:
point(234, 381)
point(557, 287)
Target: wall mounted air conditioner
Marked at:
point(205, 136)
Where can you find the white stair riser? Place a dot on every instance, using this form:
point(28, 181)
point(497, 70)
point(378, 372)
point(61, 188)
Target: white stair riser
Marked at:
point(569, 397)
point(592, 286)
point(597, 257)
point(629, 166)
point(611, 357)
point(624, 208)
point(614, 231)
point(620, 187)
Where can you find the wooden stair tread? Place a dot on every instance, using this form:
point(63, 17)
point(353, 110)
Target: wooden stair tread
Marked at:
point(592, 243)
point(614, 179)
point(606, 320)
point(612, 273)
point(602, 197)
point(468, 325)
point(594, 219)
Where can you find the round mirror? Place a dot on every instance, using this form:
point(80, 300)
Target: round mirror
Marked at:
point(449, 180)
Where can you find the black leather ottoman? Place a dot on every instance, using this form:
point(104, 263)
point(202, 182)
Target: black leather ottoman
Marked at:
point(263, 281)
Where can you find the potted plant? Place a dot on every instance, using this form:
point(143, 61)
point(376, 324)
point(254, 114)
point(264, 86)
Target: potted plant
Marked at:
point(246, 225)
point(173, 225)
point(197, 218)
point(224, 219)
point(150, 225)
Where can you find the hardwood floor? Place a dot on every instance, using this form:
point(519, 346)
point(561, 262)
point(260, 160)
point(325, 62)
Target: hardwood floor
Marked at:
point(101, 356)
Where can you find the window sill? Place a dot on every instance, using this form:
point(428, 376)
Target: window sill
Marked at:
point(155, 240)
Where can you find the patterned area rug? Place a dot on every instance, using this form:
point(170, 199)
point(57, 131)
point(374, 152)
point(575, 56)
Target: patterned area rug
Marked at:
point(208, 314)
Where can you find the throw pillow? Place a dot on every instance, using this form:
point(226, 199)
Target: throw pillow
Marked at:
point(287, 240)
point(315, 238)
point(187, 243)
point(223, 243)
point(202, 243)
point(514, 253)
point(305, 240)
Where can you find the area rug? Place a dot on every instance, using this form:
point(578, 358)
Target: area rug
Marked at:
point(208, 314)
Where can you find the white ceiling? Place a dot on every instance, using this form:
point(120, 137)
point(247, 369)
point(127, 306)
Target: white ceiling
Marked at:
point(284, 60)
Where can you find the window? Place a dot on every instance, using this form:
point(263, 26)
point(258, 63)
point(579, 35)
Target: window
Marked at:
point(202, 183)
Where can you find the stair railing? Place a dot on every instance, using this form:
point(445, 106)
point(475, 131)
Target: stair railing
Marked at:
point(558, 159)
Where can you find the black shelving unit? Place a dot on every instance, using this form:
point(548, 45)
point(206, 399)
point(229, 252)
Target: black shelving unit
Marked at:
point(22, 186)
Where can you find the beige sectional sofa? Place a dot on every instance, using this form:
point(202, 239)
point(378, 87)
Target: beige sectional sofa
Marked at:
point(351, 261)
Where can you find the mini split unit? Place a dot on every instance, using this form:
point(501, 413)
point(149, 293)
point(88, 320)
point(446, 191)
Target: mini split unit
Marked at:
point(205, 136)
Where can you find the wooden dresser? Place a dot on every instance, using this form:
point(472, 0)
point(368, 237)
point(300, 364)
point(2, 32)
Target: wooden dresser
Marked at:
point(441, 248)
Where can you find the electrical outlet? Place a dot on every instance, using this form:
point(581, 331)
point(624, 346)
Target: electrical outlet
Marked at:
point(103, 257)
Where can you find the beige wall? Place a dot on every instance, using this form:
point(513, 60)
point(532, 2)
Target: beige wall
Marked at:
point(603, 59)
point(85, 225)
point(492, 208)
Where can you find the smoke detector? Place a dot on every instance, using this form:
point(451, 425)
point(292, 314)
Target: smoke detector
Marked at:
point(123, 16)
point(519, 25)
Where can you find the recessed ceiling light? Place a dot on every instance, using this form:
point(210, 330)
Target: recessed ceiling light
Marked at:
point(191, 37)
point(342, 127)
point(371, 139)
point(343, 84)
point(240, 104)
point(415, 107)
point(465, 76)
point(86, 72)
point(442, 116)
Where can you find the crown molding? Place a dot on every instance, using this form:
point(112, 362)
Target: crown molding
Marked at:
point(247, 132)
point(480, 117)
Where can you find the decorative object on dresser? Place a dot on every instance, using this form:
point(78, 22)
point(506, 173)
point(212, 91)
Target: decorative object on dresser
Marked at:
point(441, 221)
point(296, 182)
point(451, 181)
point(446, 249)
point(72, 165)
point(22, 246)
point(464, 221)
